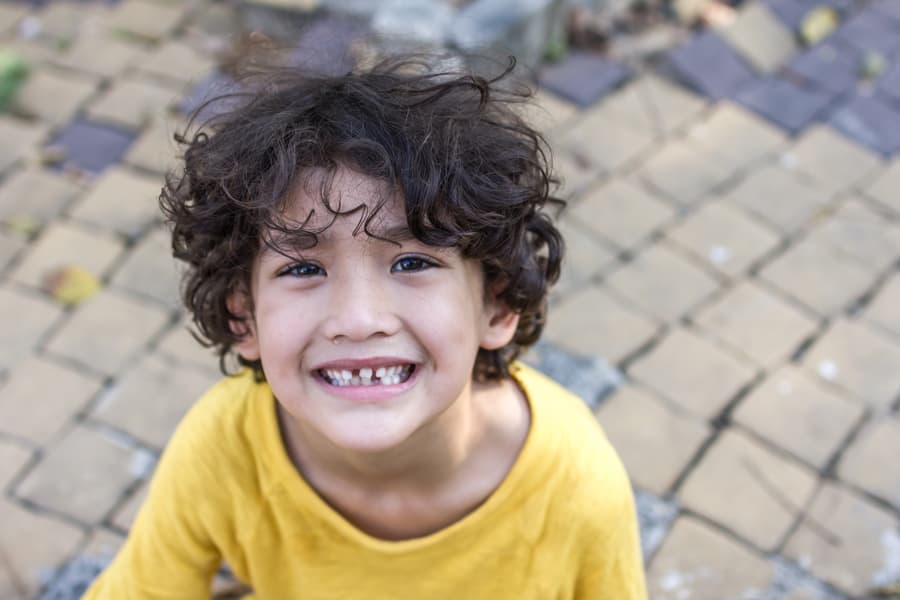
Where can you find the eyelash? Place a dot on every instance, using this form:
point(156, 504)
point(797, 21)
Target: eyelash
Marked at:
point(302, 269)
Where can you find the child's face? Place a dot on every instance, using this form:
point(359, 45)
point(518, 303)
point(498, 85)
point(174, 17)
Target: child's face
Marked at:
point(355, 305)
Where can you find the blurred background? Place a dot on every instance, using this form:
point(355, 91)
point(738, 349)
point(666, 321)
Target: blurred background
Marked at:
point(730, 306)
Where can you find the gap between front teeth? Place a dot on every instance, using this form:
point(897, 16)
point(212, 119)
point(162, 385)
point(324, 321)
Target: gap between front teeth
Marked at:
point(364, 376)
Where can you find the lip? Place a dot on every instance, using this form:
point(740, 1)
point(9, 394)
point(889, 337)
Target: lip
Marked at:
point(366, 393)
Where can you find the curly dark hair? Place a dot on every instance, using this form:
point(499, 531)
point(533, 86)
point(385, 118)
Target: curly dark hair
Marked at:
point(473, 174)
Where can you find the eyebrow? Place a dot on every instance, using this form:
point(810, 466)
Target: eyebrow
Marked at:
point(298, 241)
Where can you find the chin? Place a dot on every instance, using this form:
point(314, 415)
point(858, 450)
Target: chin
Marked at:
point(369, 438)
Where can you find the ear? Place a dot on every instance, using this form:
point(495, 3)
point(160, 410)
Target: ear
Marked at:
point(248, 342)
point(500, 324)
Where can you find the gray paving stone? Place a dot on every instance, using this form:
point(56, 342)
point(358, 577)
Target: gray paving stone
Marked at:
point(41, 396)
point(847, 541)
point(603, 141)
point(724, 238)
point(661, 283)
point(888, 85)
point(654, 105)
point(35, 193)
point(708, 64)
point(756, 324)
point(884, 309)
point(692, 372)
point(133, 403)
point(858, 359)
point(153, 20)
point(697, 561)
point(867, 31)
point(92, 147)
point(64, 244)
point(53, 96)
point(832, 160)
point(122, 201)
point(818, 276)
point(591, 378)
point(862, 463)
point(106, 331)
point(622, 212)
point(749, 489)
point(791, 12)
point(18, 140)
point(828, 66)
point(683, 174)
point(583, 78)
point(871, 122)
point(885, 189)
point(861, 233)
point(591, 323)
point(735, 137)
point(329, 43)
point(82, 475)
point(24, 320)
point(788, 105)
point(654, 441)
point(780, 197)
point(760, 37)
point(655, 517)
point(132, 103)
point(813, 420)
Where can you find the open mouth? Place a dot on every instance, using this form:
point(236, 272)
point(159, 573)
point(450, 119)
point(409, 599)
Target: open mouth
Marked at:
point(390, 375)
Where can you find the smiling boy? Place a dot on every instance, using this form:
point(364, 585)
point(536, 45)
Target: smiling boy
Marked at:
point(373, 247)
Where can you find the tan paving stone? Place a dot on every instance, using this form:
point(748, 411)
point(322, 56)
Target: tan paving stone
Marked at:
point(132, 103)
point(150, 271)
point(846, 541)
point(125, 515)
point(103, 543)
point(780, 197)
point(62, 244)
point(18, 140)
point(832, 160)
point(178, 344)
point(654, 105)
point(683, 174)
point(700, 563)
point(692, 372)
point(724, 238)
point(574, 174)
point(24, 320)
point(61, 22)
point(133, 403)
point(10, 247)
point(12, 459)
point(586, 256)
point(36, 194)
point(748, 488)
point(622, 212)
point(756, 324)
point(549, 112)
point(34, 52)
point(662, 283)
point(590, 322)
point(33, 544)
point(735, 137)
point(600, 139)
point(107, 330)
point(885, 188)
point(177, 61)
point(153, 20)
point(858, 359)
point(156, 150)
point(10, 16)
point(792, 410)
point(884, 309)
point(863, 463)
point(82, 475)
point(654, 441)
point(861, 233)
point(760, 37)
point(121, 200)
point(102, 55)
point(53, 96)
point(41, 396)
point(818, 276)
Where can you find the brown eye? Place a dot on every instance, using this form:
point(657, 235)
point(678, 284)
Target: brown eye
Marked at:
point(409, 264)
point(303, 270)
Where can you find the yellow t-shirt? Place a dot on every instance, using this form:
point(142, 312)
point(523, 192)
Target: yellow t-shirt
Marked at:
point(561, 525)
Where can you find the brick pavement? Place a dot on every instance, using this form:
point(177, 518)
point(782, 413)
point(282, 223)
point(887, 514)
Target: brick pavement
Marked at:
point(741, 277)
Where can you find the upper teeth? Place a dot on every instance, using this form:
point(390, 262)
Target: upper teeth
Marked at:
point(383, 375)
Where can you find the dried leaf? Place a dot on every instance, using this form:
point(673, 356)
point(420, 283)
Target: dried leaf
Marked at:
point(72, 284)
point(818, 23)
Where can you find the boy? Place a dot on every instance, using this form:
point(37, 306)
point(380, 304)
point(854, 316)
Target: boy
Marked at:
point(373, 247)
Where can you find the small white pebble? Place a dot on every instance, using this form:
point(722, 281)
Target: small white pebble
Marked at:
point(828, 369)
point(719, 254)
point(30, 27)
point(789, 161)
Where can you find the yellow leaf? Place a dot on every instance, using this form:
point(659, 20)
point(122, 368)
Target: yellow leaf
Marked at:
point(72, 284)
point(817, 24)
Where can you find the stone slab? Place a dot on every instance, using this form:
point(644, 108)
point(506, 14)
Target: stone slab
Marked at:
point(654, 105)
point(156, 149)
point(53, 96)
point(812, 419)
point(749, 489)
point(828, 66)
point(10, 247)
point(784, 103)
point(25, 319)
point(100, 55)
point(867, 31)
point(176, 60)
point(760, 37)
point(709, 65)
point(91, 147)
point(792, 12)
point(861, 233)
point(37, 194)
point(12, 460)
point(150, 271)
point(586, 257)
point(132, 103)
point(884, 309)
point(871, 122)
point(122, 201)
point(832, 160)
point(692, 372)
point(18, 139)
point(862, 464)
point(735, 137)
point(888, 85)
point(601, 140)
point(683, 174)
point(151, 20)
point(884, 189)
point(583, 78)
point(178, 344)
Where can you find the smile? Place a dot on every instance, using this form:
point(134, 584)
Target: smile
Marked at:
point(390, 375)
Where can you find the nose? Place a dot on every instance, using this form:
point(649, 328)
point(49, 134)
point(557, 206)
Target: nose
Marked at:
point(360, 308)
